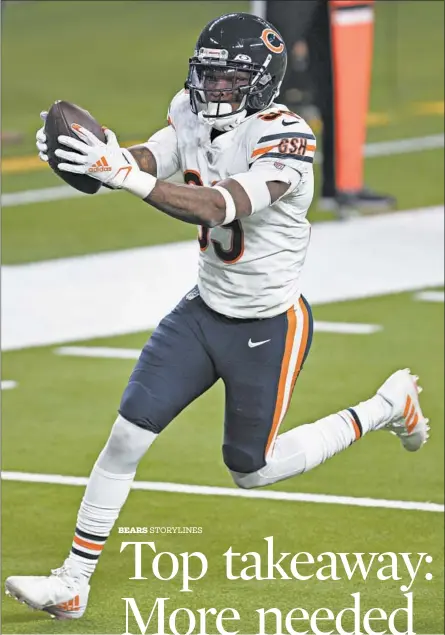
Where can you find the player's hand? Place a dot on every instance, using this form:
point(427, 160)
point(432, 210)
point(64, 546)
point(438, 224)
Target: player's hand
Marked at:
point(106, 162)
point(41, 139)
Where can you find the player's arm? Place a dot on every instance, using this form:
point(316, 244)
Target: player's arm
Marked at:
point(145, 159)
point(236, 197)
point(233, 198)
point(209, 206)
point(159, 156)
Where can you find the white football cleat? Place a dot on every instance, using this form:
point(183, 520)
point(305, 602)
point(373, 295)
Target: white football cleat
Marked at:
point(406, 421)
point(60, 594)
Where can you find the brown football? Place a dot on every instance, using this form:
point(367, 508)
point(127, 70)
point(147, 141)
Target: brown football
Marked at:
point(58, 121)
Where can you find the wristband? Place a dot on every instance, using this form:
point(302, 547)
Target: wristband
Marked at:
point(230, 204)
point(139, 183)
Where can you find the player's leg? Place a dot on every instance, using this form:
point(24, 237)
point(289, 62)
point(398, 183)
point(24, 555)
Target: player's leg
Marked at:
point(395, 407)
point(259, 372)
point(257, 402)
point(173, 369)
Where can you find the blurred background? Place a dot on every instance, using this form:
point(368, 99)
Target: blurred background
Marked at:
point(125, 60)
point(73, 263)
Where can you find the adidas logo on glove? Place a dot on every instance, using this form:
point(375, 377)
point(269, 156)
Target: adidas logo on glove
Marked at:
point(100, 166)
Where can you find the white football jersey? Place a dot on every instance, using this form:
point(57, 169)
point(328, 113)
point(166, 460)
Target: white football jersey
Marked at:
point(249, 268)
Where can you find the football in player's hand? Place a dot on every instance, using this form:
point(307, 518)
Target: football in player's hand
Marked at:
point(58, 122)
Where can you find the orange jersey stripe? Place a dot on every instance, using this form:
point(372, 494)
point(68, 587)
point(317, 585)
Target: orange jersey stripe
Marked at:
point(260, 151)
point(290, 336)
point(87, 544)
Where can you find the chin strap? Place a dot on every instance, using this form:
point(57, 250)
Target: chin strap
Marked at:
point(224, 123)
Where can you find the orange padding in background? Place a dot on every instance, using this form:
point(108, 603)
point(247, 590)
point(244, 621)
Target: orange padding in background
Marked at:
point(352, 44)
point(350, 3)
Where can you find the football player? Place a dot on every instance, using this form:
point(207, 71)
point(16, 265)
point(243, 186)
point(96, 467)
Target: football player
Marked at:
point(248, 170)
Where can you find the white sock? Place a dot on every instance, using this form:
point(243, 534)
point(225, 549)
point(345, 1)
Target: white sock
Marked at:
point(107, 490)
point(305, 447)
point(372, 412)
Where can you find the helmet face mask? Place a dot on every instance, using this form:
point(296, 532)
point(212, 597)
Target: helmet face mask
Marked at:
point(235, 83)
point(240, 76)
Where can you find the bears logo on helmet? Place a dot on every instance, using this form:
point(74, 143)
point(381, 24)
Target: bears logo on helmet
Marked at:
point(272, 40)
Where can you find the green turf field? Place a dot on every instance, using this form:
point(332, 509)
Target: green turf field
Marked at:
point(58, 417)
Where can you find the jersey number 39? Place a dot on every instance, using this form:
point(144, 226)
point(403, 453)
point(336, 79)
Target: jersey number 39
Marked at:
point(236, 249)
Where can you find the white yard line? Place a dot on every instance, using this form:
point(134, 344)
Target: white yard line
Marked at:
point(404, 146)
point(430, 296)
point(45, 194)
point(98, 351)
point(205, 490)
point(8, 384)
point(107, 352)
point(371, 150)
point(348, 328)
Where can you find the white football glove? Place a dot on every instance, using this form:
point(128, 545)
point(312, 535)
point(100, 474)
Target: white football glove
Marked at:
point(41, 139)
point(106, 162)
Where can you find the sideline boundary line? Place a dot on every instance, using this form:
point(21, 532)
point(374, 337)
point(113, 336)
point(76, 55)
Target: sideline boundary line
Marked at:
point(85, 309)
point(207, 490)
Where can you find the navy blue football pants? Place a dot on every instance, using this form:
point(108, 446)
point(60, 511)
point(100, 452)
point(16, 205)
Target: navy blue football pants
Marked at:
point(258, 360)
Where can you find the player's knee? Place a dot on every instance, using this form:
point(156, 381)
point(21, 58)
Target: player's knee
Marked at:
point(135, 406)
point(121, 439)
point(125, 447)
point(248, 481)
point(242, 460)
